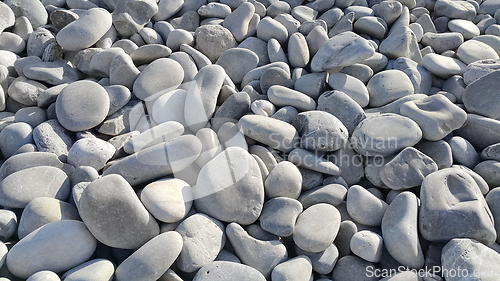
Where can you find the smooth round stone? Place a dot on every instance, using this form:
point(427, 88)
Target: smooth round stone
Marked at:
point(320, 131)
point(151, 80)
point(148, 53)
point(122, 71)
point(258, 46)
point(342, 106)
point(278, 7)
point(347, 229)
point(473, 50)
point(188, 65)
point(341, 50)
point(407, 169)
point(237, 62)
point(400, 230)
point(44, 275)
point(374, 26)
point(168, 200)
point(238, 21)
point(25, 91)
point(309, 160)
point(203, 238)
point(491, 152)
point(439, 151)
point(481, 97)
point(259, 254)
point(43, 210)
point(214, 10)
point(85, 31)
point(388, 86)
point(213, 40)
point(311, 84)
point(177, 37)
point(32, 159)
point(455, 9)
point(480, 131)
point(83, 174)
point(8, 17)
point(98, 268)
point(235, 183)
point(19, 188)
point(479, 69)
point(82, 105)
point(298, 268)
point(158, 161)
point(57, 246)
point(350, 86)
point(275, 76)
point(13, 136)
point(129, 226)
point(33, 10)
point(227, 271)
point(12, 42)
point(360, 71)
point(8, 224)
point(322, 262)
point(483, 185)
point(284, 180)
point(275, 51)
point(463, 152)
point(233, 108)
point(265, 155)
point(489, 170)
point(311, 233)
point(367, 245)
point(333, 194)
point(263, 107)
point(468, 217)
point(91, 152)
point(283, 96)
point(158, 134)
point(54, 73)
point(465, 27)
point(270, 28)
point(436, 115)
point(275, 133)
point(34, 116)
point(480, 259)
point(151, 260)
point(119, 96)
point(279, 216)
point(298, 50)
point(350, 268)
point(442, 66)
point(385, 134)
point(364, 207)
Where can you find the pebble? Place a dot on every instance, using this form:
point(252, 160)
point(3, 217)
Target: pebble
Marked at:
point(284, 180)
point(44, 275)
point(442, 66)
point(455, 9)
point(463, 152)
point(235, 183)
point(350, 268)
point(226, 271)
point(14, 136)
point(401, 42)
point(112, 192)
point(309, 160)
point(473, 50)
point(238, 21)
point(311, 234)
point(161, 133)
point(442, 186)
point(261, 255)
point(480, 258)
point(400, 230)
point(436, 115)
point(341, 50)
point(322, 262)
point(364, 207)
point(351, 86)
point(298, 268)
point(488, 171)
point(44, 210)
point(8, 224)
point(67, 249)
point(237, 62)
point(475, 128)
point(320, 131)
point(91, 152)
point(480, 96)
point(367, 245)
point(279, 215)
point(100, 268)
point(439, 151)
point(213, 40)
point(282, 96)
point(34, 116)
point(275, 133)
point(388, 86)
point(143, 86)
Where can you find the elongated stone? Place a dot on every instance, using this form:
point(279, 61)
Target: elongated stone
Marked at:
point(275, 133)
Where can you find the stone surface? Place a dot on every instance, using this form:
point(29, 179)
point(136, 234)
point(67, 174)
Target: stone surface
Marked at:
point(350, 268)
point(237, 62)
point(279, 216)
point(230, 187)
point(144, 86)
point(284, 180)
point(367, 245)
point(350, 86)
point(441, 206)
point(275, 133)
point(100, 268)
point(213, 40)
point(226, 271)
point(481, 97)
point(298, 268)
point(388, 86)
point(115, 216)
point(14, 136)
point(70, 244)
point(91, 152)
point(442, 66)
point(283, 96)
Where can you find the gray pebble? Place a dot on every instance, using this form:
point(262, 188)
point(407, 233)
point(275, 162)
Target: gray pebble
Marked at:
point(367, 245)
point(13, 136)
point(8, 224)
point(488, 170)
point(213, 40)
point(343, 240)
point(101, 268)
point(275, 76)
point(275, 133)
point(463, 152)
point(25, 91)
point(341, 105)
point(454, 9)
point(231, 110)
point(284, 180)
point(50, 136)
point(364, 207)
point(295, 269)
point(439, 151)
point(351, 268)
point(34, 116)
point(279, 216)
point(286, 114)
point(309, 160)
point(322, 262)
point(144, 88)
point(333, 194)
point(148, 53)
point(351, 86)
point(320, 130)
point(283, 96)
point(226, 271)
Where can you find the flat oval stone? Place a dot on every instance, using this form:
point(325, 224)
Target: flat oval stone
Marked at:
point(388, 86)
point(44, 275)
point(441, 42)
point(55, 73)
point(19, 188)
point(70, 244)
point(82, 105)
point(341, 50)
point(436, 115)
point(270, 28)
point(385, 135)
point(298, 268)
point(144, 86)
point(43, 210)
point(463, 152)
point(279, 216)
point(283, 96)
point(481, 97)
point(350, 86)
point(320, 131)
point(146, 54)
point(400, 230)
point(284, 180)
point(259, 254)
point(473, 50)
point(33, 10)
point(152, 259)
point(333, 194)
point(115, 216)
point(8, 225)
point(8, 17)
point(364, 207)
point(352, 267)
point(224, 183)
point(91, 152)
point(367, 245)
point(100, 268)
point(407, 169)
point(157, 161)
point(488, 170)
point(25, 91)
point(446, 196)
point(170, 107)
point(311, 233)
point(455, 9)
point(13, 136)
point(227, 271)
point(85, 31)
point(465, 27)
point(237, 62)
point(275, 133)
point(27, 160)
point(168, 200)
point(203, 238)
point(442, 66)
